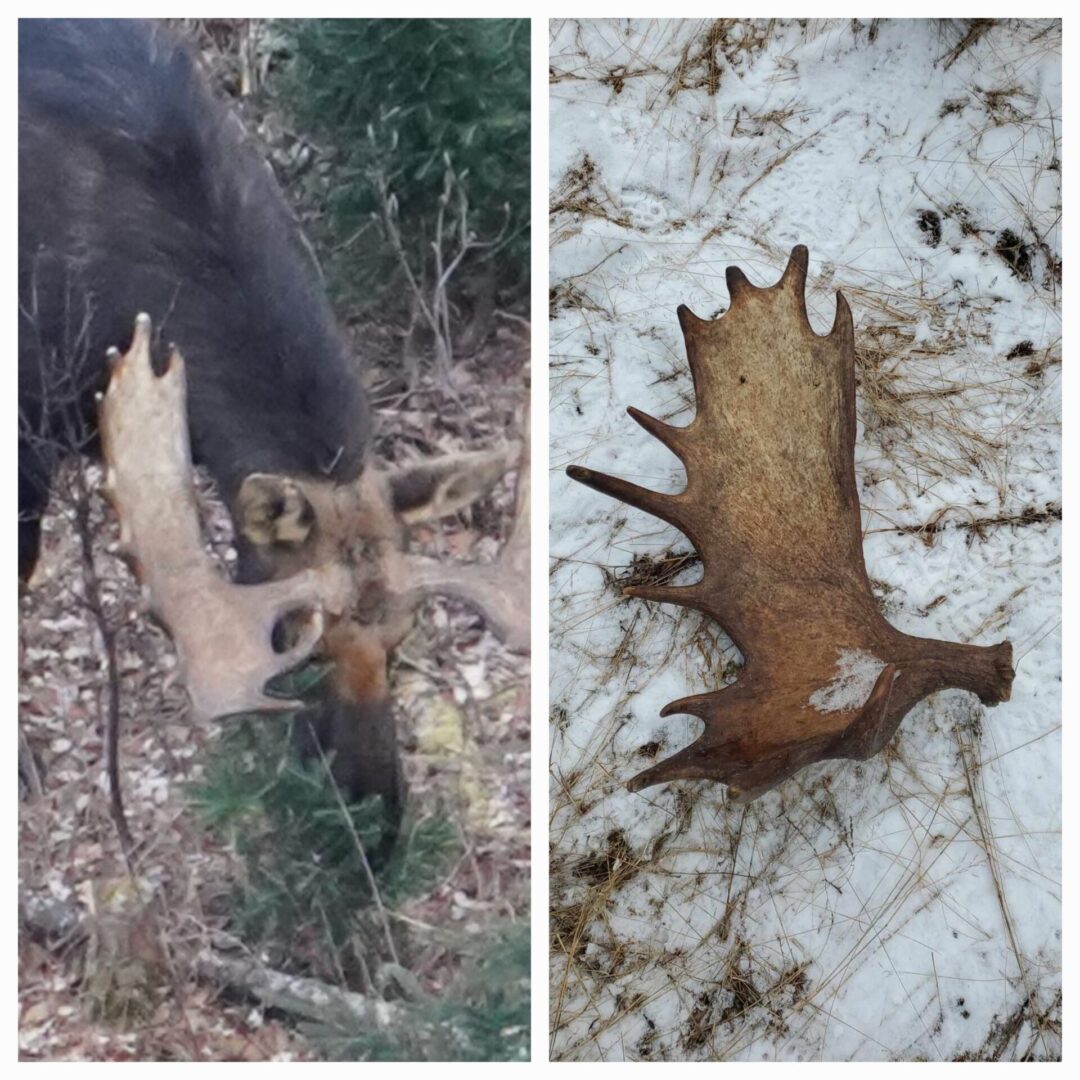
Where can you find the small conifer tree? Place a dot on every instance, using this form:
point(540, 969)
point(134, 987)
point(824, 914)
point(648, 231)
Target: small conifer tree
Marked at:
point(400, 102)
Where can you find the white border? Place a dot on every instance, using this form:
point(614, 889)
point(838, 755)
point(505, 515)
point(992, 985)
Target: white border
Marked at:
point(540, 13)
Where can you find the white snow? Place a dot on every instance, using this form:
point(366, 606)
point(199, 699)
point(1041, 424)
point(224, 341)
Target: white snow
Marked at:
point(856, 673)
point(904, 907)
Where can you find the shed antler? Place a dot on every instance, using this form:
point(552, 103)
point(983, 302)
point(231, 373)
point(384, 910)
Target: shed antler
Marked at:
point(772, 508)
point(223, 632)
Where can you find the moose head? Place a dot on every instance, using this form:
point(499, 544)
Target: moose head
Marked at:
point(335, 577)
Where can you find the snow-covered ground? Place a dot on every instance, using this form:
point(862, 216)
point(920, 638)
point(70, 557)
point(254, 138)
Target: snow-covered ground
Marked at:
point(907, 907)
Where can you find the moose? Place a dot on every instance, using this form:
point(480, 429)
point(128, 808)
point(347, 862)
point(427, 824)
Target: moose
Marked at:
point(143, 204)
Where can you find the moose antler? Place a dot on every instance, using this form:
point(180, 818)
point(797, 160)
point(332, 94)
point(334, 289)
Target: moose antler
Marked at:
point(772, 508)
point(499, 589)
point(223, 632)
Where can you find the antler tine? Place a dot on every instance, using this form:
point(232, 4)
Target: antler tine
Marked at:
point(691, 596)
point(499, 589)
point(652, 502)
point(687, 318)
point(699, 705)
point(223, 632)
point(794, 279)
point(843, 329)
point(686, 764)
point(738, 284)
point(672, 437)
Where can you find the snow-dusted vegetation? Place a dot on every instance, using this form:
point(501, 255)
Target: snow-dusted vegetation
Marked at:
point(907, 907)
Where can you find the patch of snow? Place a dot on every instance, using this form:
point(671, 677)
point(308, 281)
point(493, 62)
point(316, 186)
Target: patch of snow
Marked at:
point(856, 673)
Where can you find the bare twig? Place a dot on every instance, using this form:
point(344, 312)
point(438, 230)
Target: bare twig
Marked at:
point(95, 603)
point(454, 241)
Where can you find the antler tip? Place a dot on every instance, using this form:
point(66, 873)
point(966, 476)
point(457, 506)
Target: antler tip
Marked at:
point(684, 765)
point(695, 705)
point(668, 435)
point(842, 326)
point(139, 352)
point(687, 318)
point(683, 595)
point(737, 283)
point(798, 265)
point(665, 507)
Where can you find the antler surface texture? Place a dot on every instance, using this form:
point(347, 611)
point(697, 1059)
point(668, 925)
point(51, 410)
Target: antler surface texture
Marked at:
point(772, 508)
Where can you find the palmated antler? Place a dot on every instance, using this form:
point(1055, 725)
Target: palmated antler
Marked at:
point(499, 589)
point(772, 508)
point(223, 632)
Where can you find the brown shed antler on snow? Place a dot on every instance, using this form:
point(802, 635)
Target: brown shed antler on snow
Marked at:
point(223, 632)
point(772, 508)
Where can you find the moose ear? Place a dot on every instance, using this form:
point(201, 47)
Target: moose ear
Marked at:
point(429, 490)
point(273, 510)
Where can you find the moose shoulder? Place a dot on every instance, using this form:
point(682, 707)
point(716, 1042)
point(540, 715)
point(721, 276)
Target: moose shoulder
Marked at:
point(138, 192)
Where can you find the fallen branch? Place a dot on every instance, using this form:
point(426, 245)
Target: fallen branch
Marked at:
point(309, 999)
point(62, 923)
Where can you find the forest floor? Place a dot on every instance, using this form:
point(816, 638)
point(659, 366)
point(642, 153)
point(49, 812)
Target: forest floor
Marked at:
point(463, 713)
point(903, 908)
